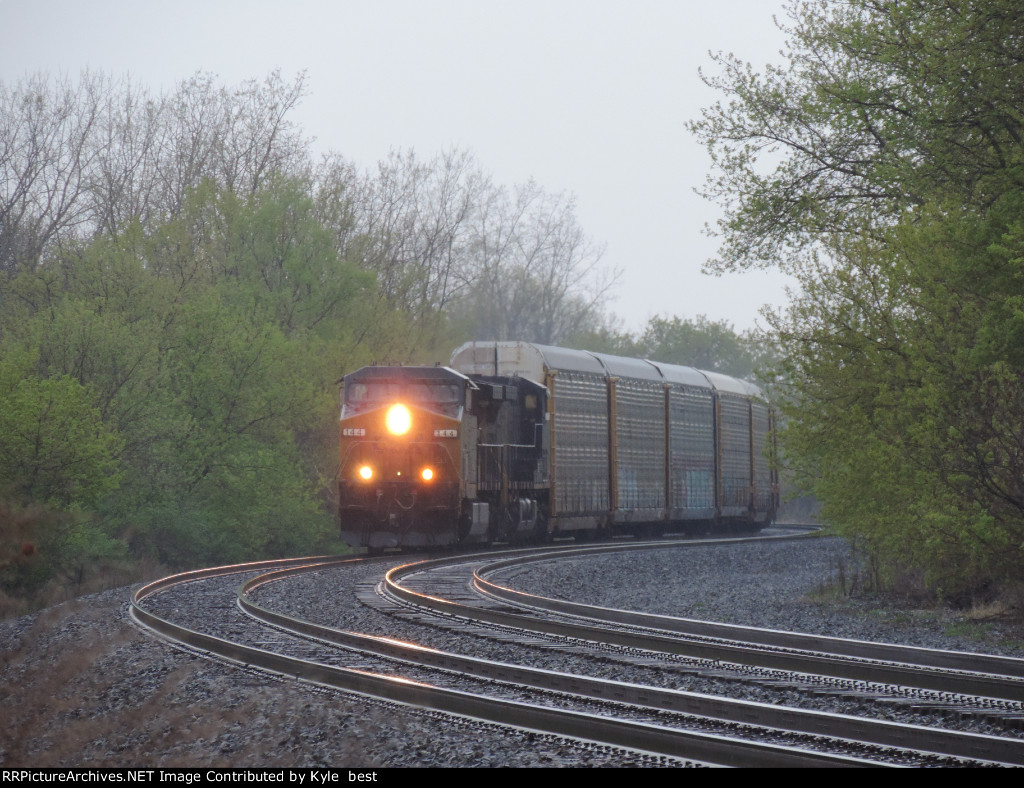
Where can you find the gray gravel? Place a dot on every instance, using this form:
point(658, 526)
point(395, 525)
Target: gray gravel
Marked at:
point(81, 686)
point(793, 586)
point(94, 691)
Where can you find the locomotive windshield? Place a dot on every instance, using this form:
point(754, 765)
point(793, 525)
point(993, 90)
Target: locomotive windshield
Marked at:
point(382, 392)
point(436, 395)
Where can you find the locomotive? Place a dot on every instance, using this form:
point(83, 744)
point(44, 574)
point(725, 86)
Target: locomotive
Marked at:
point(515, 441)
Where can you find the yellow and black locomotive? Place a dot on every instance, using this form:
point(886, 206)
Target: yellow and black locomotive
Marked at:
point(517, 441)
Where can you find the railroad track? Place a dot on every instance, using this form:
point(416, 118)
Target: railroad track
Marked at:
point(683, 725)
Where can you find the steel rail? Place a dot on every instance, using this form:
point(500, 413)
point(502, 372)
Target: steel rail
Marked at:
point(912, 655)
point(654, 739)
point(935, 741)
point(745, 653)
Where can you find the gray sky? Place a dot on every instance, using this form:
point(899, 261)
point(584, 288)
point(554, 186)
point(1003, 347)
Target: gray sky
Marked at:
point(585, 97)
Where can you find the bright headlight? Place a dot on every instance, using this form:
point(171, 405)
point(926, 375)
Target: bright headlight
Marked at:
point(366, 473)
point(398, 420)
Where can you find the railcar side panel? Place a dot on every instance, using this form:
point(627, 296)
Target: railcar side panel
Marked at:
point(734, 448)
point(691, 453)
point(640, 433)
point(580, 427)
point(765, 486)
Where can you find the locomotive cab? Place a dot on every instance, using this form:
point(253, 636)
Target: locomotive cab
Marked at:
point(400, 478)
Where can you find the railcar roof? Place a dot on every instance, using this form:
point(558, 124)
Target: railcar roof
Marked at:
point(683, 376)
point(734, 385)
point(532, 361)
point(508, 359)
point(620, 367)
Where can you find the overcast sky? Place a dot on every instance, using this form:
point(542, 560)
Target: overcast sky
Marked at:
point(585, 97)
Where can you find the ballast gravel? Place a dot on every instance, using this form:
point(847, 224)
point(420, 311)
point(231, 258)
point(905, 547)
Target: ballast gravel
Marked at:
point(794, 586)
point(80, 685)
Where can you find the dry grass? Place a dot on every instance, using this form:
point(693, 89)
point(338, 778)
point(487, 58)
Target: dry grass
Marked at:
point(119, 699)
point(68, 588)
point(12, 607)
point(993, 610)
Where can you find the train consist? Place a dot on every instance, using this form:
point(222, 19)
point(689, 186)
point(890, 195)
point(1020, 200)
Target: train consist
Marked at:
point(521, 442)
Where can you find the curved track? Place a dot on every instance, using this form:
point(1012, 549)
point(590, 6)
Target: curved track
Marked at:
point(569, 703)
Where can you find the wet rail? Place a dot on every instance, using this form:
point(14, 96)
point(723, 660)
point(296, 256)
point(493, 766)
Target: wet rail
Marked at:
point(610, 724)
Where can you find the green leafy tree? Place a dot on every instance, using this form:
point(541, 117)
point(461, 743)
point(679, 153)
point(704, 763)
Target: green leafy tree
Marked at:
point(884, 168)
point(251, 360)
point(880, 107)
point(54, 447)
point(211, 345)
point(58, 460)
point(705, 344)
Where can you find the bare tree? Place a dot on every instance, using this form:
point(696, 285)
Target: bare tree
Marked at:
point(336, 184)
point(44, 157)
point(497, 227)
point(123, 179)
point(412, 220)
point(235, 137)
point(259, 138)
point(88, 156)
point(536, 275)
